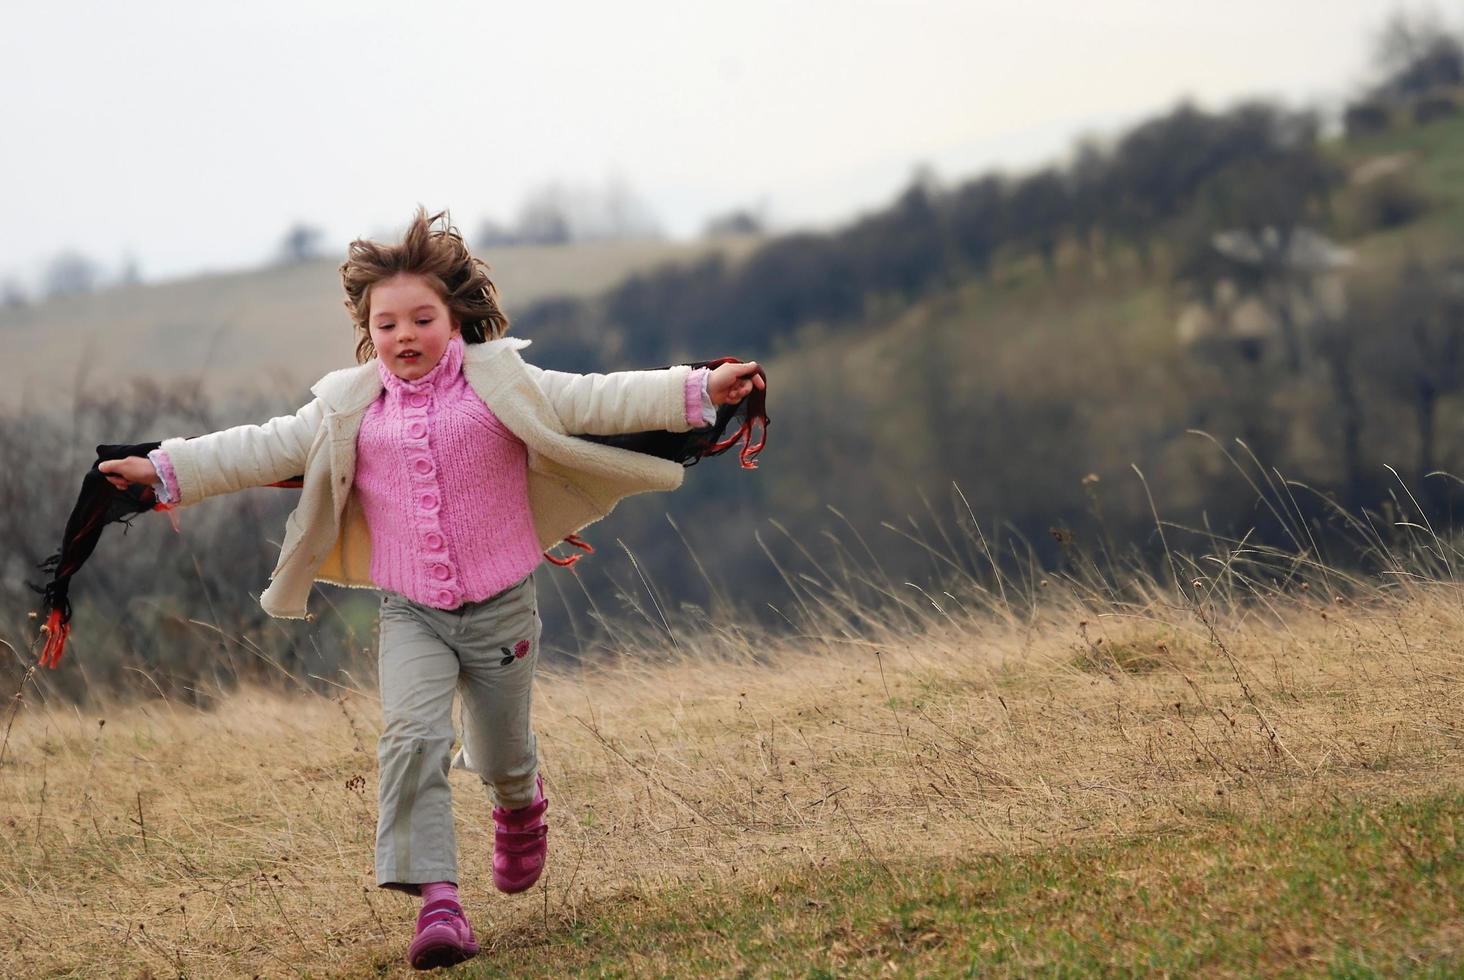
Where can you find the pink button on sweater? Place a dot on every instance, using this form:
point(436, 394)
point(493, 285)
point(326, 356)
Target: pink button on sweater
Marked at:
point(443, 485)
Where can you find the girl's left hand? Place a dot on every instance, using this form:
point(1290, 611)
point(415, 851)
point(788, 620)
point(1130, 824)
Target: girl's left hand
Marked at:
point(730, 383)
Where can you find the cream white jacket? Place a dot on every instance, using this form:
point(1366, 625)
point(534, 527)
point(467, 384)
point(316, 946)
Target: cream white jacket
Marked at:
point(572, 482)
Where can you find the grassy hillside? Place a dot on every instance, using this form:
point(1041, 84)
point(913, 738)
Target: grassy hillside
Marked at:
point(269, 331)
point(1020, 385)
point(1244, 782)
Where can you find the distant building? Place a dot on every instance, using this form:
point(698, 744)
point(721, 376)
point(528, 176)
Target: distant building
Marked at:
point(1282, 283)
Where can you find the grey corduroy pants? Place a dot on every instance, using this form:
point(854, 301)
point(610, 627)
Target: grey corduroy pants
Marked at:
point(487, 651)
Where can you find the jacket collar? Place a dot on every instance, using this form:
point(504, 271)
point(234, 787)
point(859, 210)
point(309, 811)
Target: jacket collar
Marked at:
point(353, 389)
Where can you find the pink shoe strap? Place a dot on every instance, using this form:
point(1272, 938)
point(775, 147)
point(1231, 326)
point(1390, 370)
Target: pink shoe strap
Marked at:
point(517, 819)
point(520, 842)
point(434, 913)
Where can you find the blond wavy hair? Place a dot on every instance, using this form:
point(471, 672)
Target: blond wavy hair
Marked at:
point(433, 249)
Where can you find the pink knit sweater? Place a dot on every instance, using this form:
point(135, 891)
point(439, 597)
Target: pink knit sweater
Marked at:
point(444, 488)
point(443, 485)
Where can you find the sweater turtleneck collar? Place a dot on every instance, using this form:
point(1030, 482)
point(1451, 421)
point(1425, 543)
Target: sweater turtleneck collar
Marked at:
point(447, 368)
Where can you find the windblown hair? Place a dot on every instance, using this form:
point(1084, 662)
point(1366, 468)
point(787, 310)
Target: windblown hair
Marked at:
point(433, 249)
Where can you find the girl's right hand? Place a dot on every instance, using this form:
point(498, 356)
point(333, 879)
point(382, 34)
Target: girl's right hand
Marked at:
point(133, 469)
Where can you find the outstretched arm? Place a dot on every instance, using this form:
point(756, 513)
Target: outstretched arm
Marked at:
point(231, 459)
point(640, 401)
point(617, 403)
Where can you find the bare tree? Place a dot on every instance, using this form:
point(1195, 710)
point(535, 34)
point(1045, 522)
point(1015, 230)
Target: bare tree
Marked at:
point(131, 273)
point(1418, 352)
point(1416, 55)
point(13, 295)
point(544, 218)
point(70, 274)
point(557, 213)
point(492, 234)
point(733, 224)
point(1341, 345)
point(621, 214)
point(300, 243)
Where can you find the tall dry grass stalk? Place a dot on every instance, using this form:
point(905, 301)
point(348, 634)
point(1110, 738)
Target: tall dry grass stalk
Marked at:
point(997, 713)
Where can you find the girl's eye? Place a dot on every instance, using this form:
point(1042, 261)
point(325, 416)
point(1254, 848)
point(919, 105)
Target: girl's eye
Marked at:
point(423, 323)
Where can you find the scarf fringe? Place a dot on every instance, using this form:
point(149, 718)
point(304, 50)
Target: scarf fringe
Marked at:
point(748, 454)
point(57, 629)
point(568, 561)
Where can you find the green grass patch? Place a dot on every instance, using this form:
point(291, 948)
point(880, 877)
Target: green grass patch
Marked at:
point(1123, 658)
point(1439, 150)
point(1359, 890)
point(1436, 172)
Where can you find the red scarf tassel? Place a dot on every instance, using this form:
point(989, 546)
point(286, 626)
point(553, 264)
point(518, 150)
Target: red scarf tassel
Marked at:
point(56, 633)
point(576, 541)
point(748, 454)
point(756, 413)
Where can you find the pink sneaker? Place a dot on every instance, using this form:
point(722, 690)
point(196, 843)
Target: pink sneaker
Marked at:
point(520, 843)
point(443, 937)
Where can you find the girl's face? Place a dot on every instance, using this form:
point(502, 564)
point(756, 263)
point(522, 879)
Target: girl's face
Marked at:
point(409, 325)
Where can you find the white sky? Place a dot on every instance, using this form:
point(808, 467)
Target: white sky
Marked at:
point(191, 134)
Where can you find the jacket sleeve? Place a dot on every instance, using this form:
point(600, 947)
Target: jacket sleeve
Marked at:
point(617, 403)
point(244, 456)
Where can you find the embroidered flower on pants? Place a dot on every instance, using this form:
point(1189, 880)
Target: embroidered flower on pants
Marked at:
point(519, 651)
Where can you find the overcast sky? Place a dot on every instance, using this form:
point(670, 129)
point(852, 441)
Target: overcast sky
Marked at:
point(190, 134)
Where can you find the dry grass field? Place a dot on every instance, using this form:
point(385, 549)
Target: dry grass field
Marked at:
point(1235, 778)
point(272, 330)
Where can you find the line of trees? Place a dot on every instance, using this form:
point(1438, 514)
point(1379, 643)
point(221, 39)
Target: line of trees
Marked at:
point(1163, 185)
point(1151, 186)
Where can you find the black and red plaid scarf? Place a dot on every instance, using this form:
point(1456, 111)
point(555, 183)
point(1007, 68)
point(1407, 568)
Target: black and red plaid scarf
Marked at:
point(99, 503)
